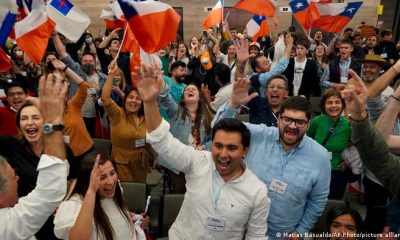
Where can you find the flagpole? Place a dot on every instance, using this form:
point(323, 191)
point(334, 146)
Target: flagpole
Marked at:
point(122, 42)
point(222, 17)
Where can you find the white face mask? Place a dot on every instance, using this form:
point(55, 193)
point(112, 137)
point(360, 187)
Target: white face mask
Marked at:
point(89, 40)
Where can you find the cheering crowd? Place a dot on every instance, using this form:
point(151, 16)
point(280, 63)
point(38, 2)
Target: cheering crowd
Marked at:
point(269, 177)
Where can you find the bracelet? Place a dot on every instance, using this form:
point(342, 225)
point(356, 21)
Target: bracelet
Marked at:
point(395, 98)
point(65, 69)
point(357, 121)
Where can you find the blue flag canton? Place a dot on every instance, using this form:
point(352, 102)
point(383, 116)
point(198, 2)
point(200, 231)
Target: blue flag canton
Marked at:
point(258, 19)
point(222, 2)
point(351, 9)
point(128, 9)
point(298, 5)
point(63, 6)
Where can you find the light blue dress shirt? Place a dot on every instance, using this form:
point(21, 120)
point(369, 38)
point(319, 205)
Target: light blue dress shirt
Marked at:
point(306, 170)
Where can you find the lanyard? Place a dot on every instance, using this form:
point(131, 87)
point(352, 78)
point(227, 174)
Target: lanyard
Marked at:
point(344, 69)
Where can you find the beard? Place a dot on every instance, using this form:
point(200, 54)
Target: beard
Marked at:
point(298, 139)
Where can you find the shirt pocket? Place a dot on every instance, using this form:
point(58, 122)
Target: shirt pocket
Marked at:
point(299, 186)
point(236, 216)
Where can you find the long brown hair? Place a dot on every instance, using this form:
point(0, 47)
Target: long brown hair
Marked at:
point(202, 111)
point(101, 220)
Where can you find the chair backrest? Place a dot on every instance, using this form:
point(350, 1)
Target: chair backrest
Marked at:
point(135, 196)
point(315, 104)
point(172, 205)
point(102, 145)
point(320, 225)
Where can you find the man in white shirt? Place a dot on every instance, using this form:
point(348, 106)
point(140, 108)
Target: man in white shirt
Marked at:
point(22, 218)
point(224, 199)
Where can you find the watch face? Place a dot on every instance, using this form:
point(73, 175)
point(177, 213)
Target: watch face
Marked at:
point(46, 128)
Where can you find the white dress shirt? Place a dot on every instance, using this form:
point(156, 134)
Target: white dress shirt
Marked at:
point(30, 213)
point(242, 204)
point(222, 96)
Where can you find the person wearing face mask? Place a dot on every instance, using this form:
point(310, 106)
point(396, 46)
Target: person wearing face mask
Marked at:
point(94, 79)
point(128, 132)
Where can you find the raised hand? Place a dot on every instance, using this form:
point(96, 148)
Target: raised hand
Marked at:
point(150, 82)
point(242, 50)
point(240, 93)
point(95, 176)
point(355, 96)
point(59, 65)
point(113, 68)
point(52, 94)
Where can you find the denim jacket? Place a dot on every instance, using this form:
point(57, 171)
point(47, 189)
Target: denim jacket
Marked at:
point(181, 129)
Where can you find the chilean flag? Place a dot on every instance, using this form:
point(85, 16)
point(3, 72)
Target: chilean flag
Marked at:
point(257, 27)
point(154, 24)
point(304, 12)
point(335, 16)
point(111, 20)
point(71, 22)
point(34, 31)
point(8, 15)
point(265, 8)
point(215, 16)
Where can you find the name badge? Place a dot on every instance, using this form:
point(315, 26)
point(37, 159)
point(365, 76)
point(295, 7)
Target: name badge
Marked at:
point(278, 186)
point(66, 139)
point(91, 91)
point(343, 79)
point(330, 155)
point(384, 55)
point(140, 143)
point(215, 224)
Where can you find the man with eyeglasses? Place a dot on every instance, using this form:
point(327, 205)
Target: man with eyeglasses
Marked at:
point(16, 95)
point(294, 167)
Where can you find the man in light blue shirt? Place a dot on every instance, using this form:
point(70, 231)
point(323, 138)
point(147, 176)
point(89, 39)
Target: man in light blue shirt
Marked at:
point(295, 168)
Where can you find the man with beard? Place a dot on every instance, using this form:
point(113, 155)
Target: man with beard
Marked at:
point(376, 196)
point(224, 199)
point(337, 73)
point(292, 165)
point(370, 45)
point(16, 94)
point(94, 79)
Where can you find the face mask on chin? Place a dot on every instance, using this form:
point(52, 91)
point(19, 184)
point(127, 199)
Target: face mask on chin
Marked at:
point(88, 68)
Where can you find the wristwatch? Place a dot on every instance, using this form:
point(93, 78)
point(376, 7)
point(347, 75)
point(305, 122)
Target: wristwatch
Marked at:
point(49, 128)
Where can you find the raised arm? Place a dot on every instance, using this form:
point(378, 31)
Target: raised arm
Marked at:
point(24, 219)
point(60, 48)
point(82, 228)
point(380, 84)
point(113, 34)
point(107, 88)
point(387, 120)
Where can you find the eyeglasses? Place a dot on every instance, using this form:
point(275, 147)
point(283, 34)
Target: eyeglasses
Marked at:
point(276, 87)
point(300, 123)
point(16, 94)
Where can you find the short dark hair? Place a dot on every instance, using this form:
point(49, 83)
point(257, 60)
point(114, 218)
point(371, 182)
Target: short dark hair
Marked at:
point(177, 64)
point(348, 29)
point(329, 93)
point(292, 29)
point(233, 125)
point(112, 39)
point(297, 103)
point(347, 41)
point(223, 72)
point(386, 32)
point(339, 210)
point(254, 62)
point(279, 76)
point(18, 81)
point(233, 28)
point(89, 53)
point(303, 42)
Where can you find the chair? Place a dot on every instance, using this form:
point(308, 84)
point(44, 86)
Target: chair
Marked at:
point(320, 225)
point(102, 145)
point(171, 204)
point(315, 104)
point(135, 196)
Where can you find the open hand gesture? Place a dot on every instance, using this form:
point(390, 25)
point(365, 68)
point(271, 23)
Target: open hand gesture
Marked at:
point(240, 93)
point(355, 96)
point(150, 82)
